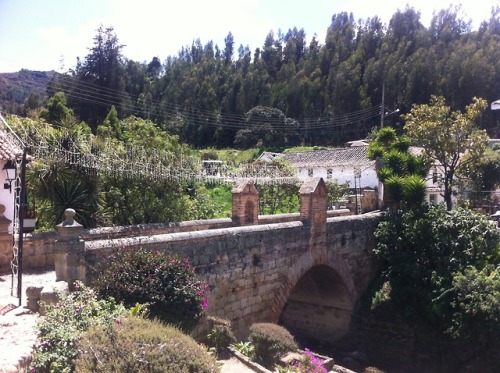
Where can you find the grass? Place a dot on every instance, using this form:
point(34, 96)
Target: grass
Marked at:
point(233, 156)
point(222, 196)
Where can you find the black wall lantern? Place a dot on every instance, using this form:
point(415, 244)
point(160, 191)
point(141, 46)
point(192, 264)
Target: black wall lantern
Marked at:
point(10, 174)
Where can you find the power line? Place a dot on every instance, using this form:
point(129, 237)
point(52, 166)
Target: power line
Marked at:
point(103, 96)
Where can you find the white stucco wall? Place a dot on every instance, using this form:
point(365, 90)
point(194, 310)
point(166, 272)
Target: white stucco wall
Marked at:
point(341, 175)
point(369, 179)
point(434, 187)
point(6, 198)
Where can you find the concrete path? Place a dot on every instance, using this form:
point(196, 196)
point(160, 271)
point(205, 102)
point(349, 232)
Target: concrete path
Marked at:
point(17, 326)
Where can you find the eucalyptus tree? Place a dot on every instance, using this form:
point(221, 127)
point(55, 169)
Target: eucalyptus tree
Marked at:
point(404, 36)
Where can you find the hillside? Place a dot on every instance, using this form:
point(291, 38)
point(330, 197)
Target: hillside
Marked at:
point(16, 87)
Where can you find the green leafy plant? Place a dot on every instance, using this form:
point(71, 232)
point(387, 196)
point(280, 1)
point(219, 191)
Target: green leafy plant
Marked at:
point(221, 335)
point(271, 341)
point(401, 172)
point(63, 325)
point(165, 282)
point(442, 267)
point(477, 304)
point(246, 348)
point(140, 345)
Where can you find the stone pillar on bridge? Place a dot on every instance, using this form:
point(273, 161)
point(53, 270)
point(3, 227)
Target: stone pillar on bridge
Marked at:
point(313, 206)
point(245, 209)
point(69, 250)
point(313, 201)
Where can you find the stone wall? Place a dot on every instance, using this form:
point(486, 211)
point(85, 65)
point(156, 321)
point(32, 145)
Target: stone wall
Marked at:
point(39, 248)
point(255, 271)
point(252, 270)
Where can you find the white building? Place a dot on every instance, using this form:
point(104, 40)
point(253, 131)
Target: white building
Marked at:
point(8, 152)
point(343, 164)
point(337, 164)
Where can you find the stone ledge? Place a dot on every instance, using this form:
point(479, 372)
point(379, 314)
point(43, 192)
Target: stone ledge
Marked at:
point(245, 360)
point(329, 363)
point(39, 296)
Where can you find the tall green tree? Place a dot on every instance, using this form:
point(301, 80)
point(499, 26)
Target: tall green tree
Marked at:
point(101, 80)
point(447, 136)
point(57, 111)
point(203, 92)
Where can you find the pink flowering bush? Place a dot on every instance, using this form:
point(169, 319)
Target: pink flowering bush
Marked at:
point(166, 283)
point(309, 363)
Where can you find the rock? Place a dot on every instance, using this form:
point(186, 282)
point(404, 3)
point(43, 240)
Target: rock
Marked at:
point(33, 297)
point(351, 363)
point(49, 294)
point(340, 369)
point(360, 357)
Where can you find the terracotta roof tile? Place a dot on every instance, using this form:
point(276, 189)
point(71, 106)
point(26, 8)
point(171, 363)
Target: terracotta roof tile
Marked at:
point(8, 151)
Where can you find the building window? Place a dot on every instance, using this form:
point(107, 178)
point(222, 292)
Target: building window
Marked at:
point(433, 199)
point(329, 173)
point(310, 172)
point(434, 176)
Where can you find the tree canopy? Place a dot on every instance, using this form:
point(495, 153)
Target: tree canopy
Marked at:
point(451, 139)
point(331, 88)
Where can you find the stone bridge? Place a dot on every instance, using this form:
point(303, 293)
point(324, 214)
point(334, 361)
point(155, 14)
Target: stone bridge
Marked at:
point(304, 270)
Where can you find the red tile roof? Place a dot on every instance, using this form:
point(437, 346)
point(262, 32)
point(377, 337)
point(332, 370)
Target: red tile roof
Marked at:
point(8, 150)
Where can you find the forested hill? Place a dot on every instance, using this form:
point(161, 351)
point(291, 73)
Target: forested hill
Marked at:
point(290, 91)
point(23, 87)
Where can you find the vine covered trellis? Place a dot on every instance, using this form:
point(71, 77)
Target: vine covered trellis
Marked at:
point(95, 155)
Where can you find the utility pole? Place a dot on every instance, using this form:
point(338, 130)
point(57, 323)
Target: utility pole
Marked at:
point(382, 109)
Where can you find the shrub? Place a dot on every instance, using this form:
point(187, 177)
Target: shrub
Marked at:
point(139, 345)
point(64, 323)
point(221, 335)
point(270, 341)
point(477, 305)
point(168, 284)
point(440, 267)
point(208, 155)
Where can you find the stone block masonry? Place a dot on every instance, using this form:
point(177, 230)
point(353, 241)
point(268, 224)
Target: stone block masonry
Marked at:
point(254, 271)
point(305, 270)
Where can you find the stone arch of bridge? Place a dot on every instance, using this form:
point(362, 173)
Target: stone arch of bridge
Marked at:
point(317, 299)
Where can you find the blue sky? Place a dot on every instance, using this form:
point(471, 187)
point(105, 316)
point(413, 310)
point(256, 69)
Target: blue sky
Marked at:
point(50, 34)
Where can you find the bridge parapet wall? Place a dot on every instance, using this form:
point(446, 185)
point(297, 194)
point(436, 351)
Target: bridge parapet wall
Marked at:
point(251, 270)
point(39, 248)
point(352, 239)
point(155, 228)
